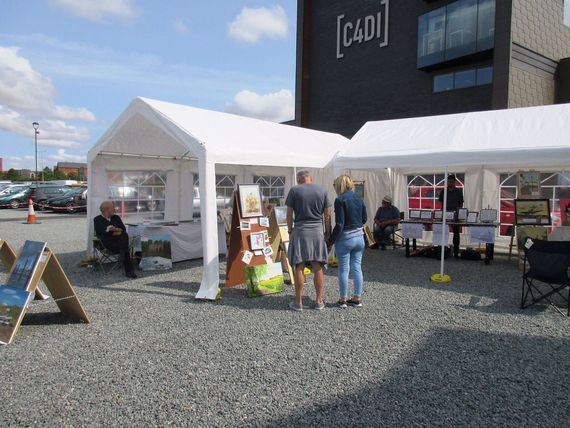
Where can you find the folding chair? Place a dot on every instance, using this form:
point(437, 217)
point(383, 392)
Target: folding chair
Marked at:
point(104, 256)
point(548, 263)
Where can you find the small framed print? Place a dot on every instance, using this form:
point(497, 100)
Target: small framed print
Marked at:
point(488, 215)
point(462, 214)
point(264, 221)
point(450, 215)
point(415, 214)
point(245, 225)
point(438, 215)
point(426, 214)
point(267, 251)
point(472, 217)
point(247, 256)
point(250, 200)
point(257, 241)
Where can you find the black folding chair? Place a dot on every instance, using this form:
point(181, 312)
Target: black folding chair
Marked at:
point(398, 232)
point(104, 256)
point(547, 274)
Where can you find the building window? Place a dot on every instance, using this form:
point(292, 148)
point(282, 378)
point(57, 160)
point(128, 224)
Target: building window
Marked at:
point(463, 79)
point(138, 194)
point(272, 188)
point(553, 186)
point(461, 28)
point(423, 190)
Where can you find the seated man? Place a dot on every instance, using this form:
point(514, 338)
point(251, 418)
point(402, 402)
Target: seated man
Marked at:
point(112, 233)
point(385, 221)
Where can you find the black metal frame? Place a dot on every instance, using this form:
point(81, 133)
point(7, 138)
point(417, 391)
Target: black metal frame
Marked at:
point(529, 287)
point(105, 256)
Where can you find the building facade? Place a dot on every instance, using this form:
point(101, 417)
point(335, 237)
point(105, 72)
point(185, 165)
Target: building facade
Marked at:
point(361, 60)
point(78, 168)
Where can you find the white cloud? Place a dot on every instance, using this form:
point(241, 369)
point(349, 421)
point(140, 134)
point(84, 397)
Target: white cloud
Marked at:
point(98, 10)
point(27, 96)
point(253, 24)
point(180, 26)
point(63, 156)
point(276, 107)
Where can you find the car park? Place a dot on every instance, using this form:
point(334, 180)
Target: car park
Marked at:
point(43, 192)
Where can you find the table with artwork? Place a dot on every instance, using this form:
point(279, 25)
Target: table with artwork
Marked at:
point(480, 233)
point(185, 238)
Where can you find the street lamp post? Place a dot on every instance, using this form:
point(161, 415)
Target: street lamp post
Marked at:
point(36, 125)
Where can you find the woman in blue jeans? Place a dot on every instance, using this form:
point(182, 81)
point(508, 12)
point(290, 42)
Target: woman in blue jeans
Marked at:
point(348, 238)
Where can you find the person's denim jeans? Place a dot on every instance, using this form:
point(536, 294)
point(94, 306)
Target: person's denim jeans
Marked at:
point(349, 254)
point(383, 236)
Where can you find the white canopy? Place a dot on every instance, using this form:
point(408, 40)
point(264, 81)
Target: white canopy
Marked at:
point(524, 136)
point(151, 132)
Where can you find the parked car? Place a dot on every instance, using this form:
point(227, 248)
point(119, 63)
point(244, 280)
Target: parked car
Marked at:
point(16, 197)
point(10, 187)
point(42, 192)
point(74, 200)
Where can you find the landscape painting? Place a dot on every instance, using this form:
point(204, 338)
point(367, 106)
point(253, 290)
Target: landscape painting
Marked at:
point(13, 302)
point(26, 264)
point(264, 279)
point(532, 212)
point(156, 252)
point(281, 215)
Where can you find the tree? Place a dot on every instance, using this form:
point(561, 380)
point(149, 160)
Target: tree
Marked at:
point(13, 175)
point(73, 176)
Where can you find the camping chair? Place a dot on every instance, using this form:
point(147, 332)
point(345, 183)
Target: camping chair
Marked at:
point(104, 256)
point(396, 233)
point(548, 263)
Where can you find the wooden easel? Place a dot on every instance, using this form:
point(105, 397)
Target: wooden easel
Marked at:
point(279, 238)
point(50, 271)
point(239, 242)
point(7, 255)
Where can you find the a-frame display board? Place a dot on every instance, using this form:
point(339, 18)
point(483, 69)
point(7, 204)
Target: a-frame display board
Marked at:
point(30, 268)
point(279, 240)
point(7, 255)
point(240, 243)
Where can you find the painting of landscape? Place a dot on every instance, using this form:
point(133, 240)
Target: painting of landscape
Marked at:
point(13, 302)
point(156, 252)
point(264, 279)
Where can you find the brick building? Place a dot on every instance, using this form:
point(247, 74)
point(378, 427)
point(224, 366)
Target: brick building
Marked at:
point(72, 168)
point(361, 60)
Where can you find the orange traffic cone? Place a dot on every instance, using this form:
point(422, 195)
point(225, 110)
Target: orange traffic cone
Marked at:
point(31, 213)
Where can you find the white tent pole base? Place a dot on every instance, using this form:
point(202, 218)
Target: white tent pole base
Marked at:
point(441, 277)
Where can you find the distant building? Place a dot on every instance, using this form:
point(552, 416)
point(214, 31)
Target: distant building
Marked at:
point(72, 168)
point(26, 173)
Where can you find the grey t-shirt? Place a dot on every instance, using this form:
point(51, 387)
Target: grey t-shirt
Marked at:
point(308, 202)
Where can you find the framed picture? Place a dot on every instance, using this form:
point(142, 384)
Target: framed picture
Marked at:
point(250, 200)
point(462, 214)
point(532, 212)
point(359, 188)
point(426, 214)
point(438, 215)
point(565, 211)
point(245, 225)
point(264, 221)
point(415, 214)
point(488, 215)
point(257, 241)
point(281, 215)
point(472, 217)
point(528, 184)
point(450, 215)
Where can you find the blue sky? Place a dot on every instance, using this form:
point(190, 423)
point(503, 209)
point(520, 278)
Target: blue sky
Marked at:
point(74, 65)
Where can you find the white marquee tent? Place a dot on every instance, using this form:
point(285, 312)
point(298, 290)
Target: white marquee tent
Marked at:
point(474, 143)
point(153, 134)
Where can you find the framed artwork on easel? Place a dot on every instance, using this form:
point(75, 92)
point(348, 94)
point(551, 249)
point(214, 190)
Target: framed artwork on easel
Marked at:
point(250, 202)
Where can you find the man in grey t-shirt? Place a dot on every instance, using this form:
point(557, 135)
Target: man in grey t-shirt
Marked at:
point(312, 209)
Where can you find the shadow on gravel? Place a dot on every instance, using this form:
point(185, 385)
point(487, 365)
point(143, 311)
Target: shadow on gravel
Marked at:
point(47, 318)
point(458, 378)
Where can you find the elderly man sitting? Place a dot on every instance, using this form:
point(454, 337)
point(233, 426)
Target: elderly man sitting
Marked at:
point(386, 219)
point(112, 233)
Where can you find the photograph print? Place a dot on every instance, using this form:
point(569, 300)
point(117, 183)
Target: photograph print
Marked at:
point(13, 302)
point(281, 215)
point(250, 200)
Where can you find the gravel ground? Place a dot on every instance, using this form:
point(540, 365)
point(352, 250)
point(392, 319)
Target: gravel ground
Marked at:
point(417, 353)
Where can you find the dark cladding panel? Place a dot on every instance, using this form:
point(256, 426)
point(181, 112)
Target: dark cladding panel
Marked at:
point(371, 81)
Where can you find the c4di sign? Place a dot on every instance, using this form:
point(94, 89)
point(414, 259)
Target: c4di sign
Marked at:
point(371, 28)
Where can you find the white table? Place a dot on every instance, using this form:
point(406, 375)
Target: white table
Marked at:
point(185, 238)
point(560, 233)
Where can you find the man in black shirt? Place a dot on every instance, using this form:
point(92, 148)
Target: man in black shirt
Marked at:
point(454, 202)
point(112, 233)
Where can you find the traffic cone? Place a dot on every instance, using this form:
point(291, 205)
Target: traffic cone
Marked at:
point(31, 213)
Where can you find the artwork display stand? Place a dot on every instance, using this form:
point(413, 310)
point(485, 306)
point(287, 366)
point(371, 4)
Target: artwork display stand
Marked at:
point(49, 270)
point(239, 243)
point(7, 255)
point(279, 239)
